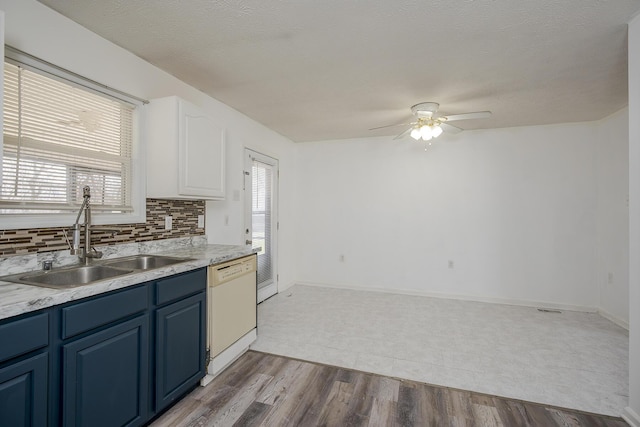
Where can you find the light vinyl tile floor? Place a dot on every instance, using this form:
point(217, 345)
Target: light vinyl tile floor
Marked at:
point(573, 359)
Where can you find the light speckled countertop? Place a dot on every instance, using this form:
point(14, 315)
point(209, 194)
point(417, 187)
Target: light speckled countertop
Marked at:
point(16, 299)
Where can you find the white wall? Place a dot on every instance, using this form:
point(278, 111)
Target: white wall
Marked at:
point(514, 209)
point(632, 412)
point(612, 245)
point(38, 30)
point(252, 135)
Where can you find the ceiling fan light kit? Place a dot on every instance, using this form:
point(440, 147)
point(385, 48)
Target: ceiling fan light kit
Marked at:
point(426, 131)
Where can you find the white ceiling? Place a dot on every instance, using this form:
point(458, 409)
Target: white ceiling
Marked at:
point(332, 69)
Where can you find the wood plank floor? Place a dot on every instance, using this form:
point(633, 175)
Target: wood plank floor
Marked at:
point(261, 389)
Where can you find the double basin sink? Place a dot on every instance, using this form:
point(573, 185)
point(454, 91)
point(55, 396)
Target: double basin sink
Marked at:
point(71, 277)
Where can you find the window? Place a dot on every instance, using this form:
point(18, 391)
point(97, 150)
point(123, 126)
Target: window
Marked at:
point(59, 136)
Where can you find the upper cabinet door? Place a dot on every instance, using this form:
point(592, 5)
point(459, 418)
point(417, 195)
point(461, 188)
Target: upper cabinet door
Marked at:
point(185, 152)
point(202, 153)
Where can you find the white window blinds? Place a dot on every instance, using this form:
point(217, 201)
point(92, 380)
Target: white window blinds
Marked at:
point(59, 137)
point(261, 224)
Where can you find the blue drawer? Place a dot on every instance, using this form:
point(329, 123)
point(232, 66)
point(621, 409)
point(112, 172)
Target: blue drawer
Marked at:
point(23, 335)
point(87, 315)
point(180, 286)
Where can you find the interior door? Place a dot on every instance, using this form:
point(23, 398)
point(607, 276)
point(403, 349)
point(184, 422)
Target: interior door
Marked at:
point(261, 224)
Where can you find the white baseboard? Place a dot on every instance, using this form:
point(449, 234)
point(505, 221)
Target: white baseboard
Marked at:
point(206, 380)
point(614, 319)
point(267, 292)
point(228, 356)
point(282, 288)
point(631, 417)
point(506, 301)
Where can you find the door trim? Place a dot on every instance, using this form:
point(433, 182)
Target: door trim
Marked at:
point(250, 155)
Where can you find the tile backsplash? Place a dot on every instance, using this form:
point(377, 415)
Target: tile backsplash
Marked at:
point(184, 215)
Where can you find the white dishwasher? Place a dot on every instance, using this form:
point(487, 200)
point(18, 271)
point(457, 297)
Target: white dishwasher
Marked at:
point(232, 305)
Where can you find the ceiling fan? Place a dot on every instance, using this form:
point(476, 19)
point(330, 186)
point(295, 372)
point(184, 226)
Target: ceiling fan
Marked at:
point(428, 124)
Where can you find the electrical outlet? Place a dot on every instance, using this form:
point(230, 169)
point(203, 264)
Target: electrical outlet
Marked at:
point(168, 222)
point(200, 221)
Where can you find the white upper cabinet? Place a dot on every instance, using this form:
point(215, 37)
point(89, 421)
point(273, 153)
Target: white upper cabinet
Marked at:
point(185, 152)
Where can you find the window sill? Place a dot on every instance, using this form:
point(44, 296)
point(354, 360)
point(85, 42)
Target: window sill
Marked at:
point(14, 222)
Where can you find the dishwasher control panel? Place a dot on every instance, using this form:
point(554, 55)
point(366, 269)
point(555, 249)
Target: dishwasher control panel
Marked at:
point(230, 270)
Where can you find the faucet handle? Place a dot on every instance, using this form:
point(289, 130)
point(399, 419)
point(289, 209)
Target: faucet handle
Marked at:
point(94, 254)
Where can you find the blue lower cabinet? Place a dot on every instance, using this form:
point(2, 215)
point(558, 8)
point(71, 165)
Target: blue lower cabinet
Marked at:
point(105, 380)
point(180, 348)
point(23, 392)
point(102, 361)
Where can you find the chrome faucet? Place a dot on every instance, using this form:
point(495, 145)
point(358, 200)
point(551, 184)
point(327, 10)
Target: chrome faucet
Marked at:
point(88, 252)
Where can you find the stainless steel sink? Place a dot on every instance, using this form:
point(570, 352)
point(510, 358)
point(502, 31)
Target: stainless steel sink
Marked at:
point(84, 275)
point(68, 277)
point(143, 262)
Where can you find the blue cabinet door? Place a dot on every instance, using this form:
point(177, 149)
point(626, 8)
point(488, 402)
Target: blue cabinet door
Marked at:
point(106, 376)
point(23, 392)
point(180, 348)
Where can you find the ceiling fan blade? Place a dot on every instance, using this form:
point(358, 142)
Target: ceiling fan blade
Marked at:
point(450, 128)
point(468, 116)
point(391, 126)
point(403, 134)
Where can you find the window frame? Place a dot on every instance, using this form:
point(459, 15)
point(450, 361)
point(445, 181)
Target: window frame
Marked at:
point(138, 170)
